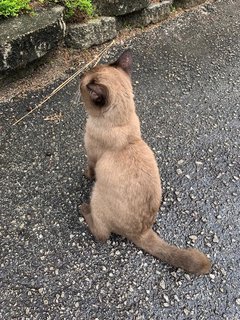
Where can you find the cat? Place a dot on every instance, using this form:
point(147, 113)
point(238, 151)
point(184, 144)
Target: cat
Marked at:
point(127, 192)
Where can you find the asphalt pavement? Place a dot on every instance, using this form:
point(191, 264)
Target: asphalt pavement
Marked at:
point(187, 90)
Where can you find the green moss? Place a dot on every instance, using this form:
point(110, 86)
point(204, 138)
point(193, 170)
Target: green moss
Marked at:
point(72, 6)
point(82, 5)
point(11, 8)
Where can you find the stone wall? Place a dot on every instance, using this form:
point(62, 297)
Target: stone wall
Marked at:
point(27, 38)
point(133, 13)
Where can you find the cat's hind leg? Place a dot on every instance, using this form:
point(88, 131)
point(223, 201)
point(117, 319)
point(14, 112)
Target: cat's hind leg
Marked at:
point(97, 228)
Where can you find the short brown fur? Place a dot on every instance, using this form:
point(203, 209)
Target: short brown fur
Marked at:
point(127, 192)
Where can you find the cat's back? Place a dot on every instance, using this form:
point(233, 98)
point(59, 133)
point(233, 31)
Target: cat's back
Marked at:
point(128, 183)
point(131, 170)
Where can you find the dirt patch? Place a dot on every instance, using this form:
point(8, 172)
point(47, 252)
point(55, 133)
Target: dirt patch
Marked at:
point(78, 17)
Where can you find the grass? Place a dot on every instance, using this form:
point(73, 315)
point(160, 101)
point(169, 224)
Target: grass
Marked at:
point(12, 8)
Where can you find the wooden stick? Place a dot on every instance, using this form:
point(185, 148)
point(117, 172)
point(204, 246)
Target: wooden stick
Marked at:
point(62, 85)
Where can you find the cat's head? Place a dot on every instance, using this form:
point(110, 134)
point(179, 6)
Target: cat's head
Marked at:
point(106, 89)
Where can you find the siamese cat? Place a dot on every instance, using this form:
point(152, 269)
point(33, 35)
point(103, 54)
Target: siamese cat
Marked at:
point(127, 191)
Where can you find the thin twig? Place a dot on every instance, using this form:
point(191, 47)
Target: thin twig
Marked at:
point(62, 85)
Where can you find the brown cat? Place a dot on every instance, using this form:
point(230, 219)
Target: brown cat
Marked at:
point(127, 192)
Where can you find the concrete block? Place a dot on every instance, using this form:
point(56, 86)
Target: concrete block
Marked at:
point(154, 13)
point(119, 7)
point(27, 38)
point(93, 32)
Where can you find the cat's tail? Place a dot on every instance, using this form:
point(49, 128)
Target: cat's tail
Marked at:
point(191, 260)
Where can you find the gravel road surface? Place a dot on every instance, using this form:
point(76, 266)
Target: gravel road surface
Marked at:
point(187, 89)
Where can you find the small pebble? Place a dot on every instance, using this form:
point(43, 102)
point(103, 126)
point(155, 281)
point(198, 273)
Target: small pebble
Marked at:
point(180, 162)
point(238, 301)
point(162, 284)
point(179, 171)
point(176, 298)
point(187, 276)
point(186, 311)
point(199, 163)
point(193, 237)
point(166, 298)
point(215, 239)
point(166, 304)
point(224, 273)
point(212, 276)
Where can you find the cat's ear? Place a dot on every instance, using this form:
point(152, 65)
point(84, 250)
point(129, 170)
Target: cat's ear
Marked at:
point(124, 62)
point(98, 94)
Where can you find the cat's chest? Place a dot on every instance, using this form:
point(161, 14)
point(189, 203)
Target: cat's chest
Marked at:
point(95, 135)
point(95, 141)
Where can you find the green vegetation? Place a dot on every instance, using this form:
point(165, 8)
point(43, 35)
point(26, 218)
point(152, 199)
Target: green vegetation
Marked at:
point(11, 8)
point(73, 5)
